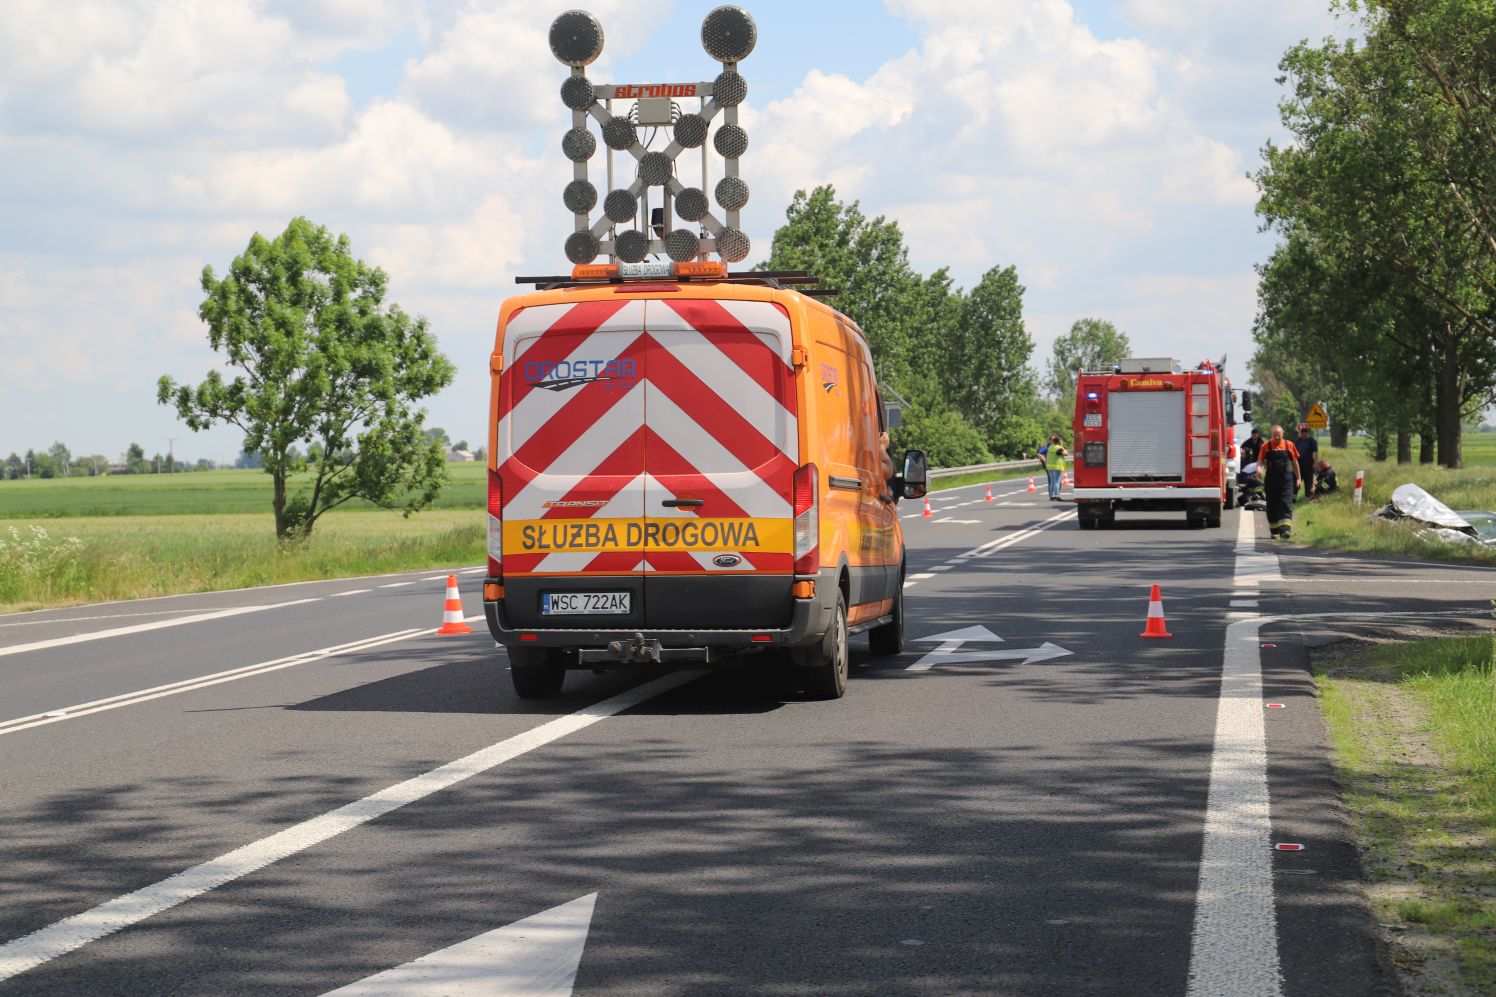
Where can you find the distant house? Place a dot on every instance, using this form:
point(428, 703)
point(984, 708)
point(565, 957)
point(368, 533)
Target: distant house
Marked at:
point(453, 454)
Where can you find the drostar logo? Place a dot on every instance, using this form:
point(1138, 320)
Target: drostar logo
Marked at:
point(830, 377)
point(560, 375)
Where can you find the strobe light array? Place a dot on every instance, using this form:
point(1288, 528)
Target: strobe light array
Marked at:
point(631, 118)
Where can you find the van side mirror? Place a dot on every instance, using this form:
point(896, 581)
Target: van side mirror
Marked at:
point(1246, 406)
point(916, 476)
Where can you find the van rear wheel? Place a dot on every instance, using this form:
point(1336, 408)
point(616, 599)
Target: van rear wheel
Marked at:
point(537, 672)
point(823, 666)
point(889, 638)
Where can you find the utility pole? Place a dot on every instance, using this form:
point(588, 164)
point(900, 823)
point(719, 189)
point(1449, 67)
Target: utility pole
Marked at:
point(171, 461)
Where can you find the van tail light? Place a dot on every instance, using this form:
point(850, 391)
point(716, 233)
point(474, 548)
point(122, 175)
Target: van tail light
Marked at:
point(495, 526)
point(807, 521)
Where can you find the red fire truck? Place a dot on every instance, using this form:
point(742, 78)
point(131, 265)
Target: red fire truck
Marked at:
point(1150, 435)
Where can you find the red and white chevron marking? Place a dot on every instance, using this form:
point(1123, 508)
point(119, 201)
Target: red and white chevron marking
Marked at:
point(712, 415)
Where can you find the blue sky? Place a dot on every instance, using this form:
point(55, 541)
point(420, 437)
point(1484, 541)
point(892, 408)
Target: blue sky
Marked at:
point(1100, 147)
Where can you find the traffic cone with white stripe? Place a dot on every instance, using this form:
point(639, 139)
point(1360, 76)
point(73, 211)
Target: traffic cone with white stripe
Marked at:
point(1064, 479)
point(989, 494)
point(928, 511)
point(453, 621)
point(1156, 626)
point(1031, 487)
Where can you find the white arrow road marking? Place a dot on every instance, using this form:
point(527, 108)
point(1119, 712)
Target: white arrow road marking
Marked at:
point(947, 654)
point(72, 933)
point(536, 957)
point(967, 633)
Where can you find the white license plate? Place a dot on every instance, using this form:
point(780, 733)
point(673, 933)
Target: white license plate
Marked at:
point(583, 603)
point(1093, 420)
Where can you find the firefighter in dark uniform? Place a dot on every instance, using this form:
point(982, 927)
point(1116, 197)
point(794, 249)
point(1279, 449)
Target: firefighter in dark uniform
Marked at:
point(1278, 461)
point(1308, 450)
point(1250, 446)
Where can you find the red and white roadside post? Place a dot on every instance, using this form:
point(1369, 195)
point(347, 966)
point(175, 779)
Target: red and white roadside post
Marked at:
point(1360, 478)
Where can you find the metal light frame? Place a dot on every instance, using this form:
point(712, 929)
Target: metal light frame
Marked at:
point(725, 25)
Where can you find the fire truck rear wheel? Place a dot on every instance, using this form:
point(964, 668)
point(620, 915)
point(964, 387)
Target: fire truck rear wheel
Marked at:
point(823, 666)
point(537, 672)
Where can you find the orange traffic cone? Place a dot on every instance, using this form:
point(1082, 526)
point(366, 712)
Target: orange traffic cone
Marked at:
point(1064, 479)
point(1031, 487)
point(1156, 626)
point(452, 618)
point(989, 493)
point(928, 511)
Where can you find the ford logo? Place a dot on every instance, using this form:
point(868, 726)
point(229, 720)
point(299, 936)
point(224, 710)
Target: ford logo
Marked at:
point(727, 560)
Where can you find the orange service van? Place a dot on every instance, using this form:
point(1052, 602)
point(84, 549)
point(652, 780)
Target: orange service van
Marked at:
point(684, 469)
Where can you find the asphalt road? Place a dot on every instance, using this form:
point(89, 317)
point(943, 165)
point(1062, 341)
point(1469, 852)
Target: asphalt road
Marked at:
point(254, 792)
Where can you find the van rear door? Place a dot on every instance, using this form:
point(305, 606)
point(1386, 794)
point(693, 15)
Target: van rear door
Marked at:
point(721, 449)
point(571, 443)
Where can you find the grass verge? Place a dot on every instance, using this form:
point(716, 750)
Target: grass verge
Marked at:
point(1413, 726)
point(957, 480)
point(1336, 522)
point(100, 559)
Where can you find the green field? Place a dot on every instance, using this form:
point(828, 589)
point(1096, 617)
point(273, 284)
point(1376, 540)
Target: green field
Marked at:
point(1477, 449)
point(194, 493)
point(99, 559)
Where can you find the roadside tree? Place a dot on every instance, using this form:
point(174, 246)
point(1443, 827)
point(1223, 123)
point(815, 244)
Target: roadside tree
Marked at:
point(1091, 344)
point(321, 358)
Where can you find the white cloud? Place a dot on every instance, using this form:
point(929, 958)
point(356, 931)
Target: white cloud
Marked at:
point(490, 66)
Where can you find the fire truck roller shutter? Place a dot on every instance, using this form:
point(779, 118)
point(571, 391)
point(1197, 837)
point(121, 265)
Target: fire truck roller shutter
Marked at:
point(1146, 435)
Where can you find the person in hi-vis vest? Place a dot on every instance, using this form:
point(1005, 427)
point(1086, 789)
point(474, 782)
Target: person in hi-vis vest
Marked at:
point(1054, 466)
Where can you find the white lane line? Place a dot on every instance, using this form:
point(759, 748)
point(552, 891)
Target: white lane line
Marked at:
point(1234, 946)
point(91, 619)
point(1244, 603)
point(920, 577)
point(942, 567)
point(1253, 567)
point(396, 585)
point(74, 932)
point(178, 621)
point(472, 571)
point(434, 578)
point(337, 595)
point(992, 546)
point(203, 681)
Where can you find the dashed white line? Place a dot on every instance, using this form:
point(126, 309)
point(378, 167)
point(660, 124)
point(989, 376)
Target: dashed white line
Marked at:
point(337, 595)
point(72, 933)
point(920, 577)
point(472, 571)
point(396, 585)
point(942, 567)
point(434, 578)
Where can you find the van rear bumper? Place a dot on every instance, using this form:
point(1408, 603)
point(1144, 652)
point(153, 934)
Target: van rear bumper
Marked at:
point(807, 620)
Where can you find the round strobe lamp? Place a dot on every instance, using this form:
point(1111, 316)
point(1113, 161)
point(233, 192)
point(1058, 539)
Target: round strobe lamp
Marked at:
point(579, 197)
point(631, 246)
point(682, 245)
point(576, 38)
point(732, 245)
point(620, 206)
point(728, 34)
point(578, 144)
point(581, 247)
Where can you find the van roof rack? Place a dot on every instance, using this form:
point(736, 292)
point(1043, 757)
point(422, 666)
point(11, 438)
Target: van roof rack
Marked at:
point(799, 280)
